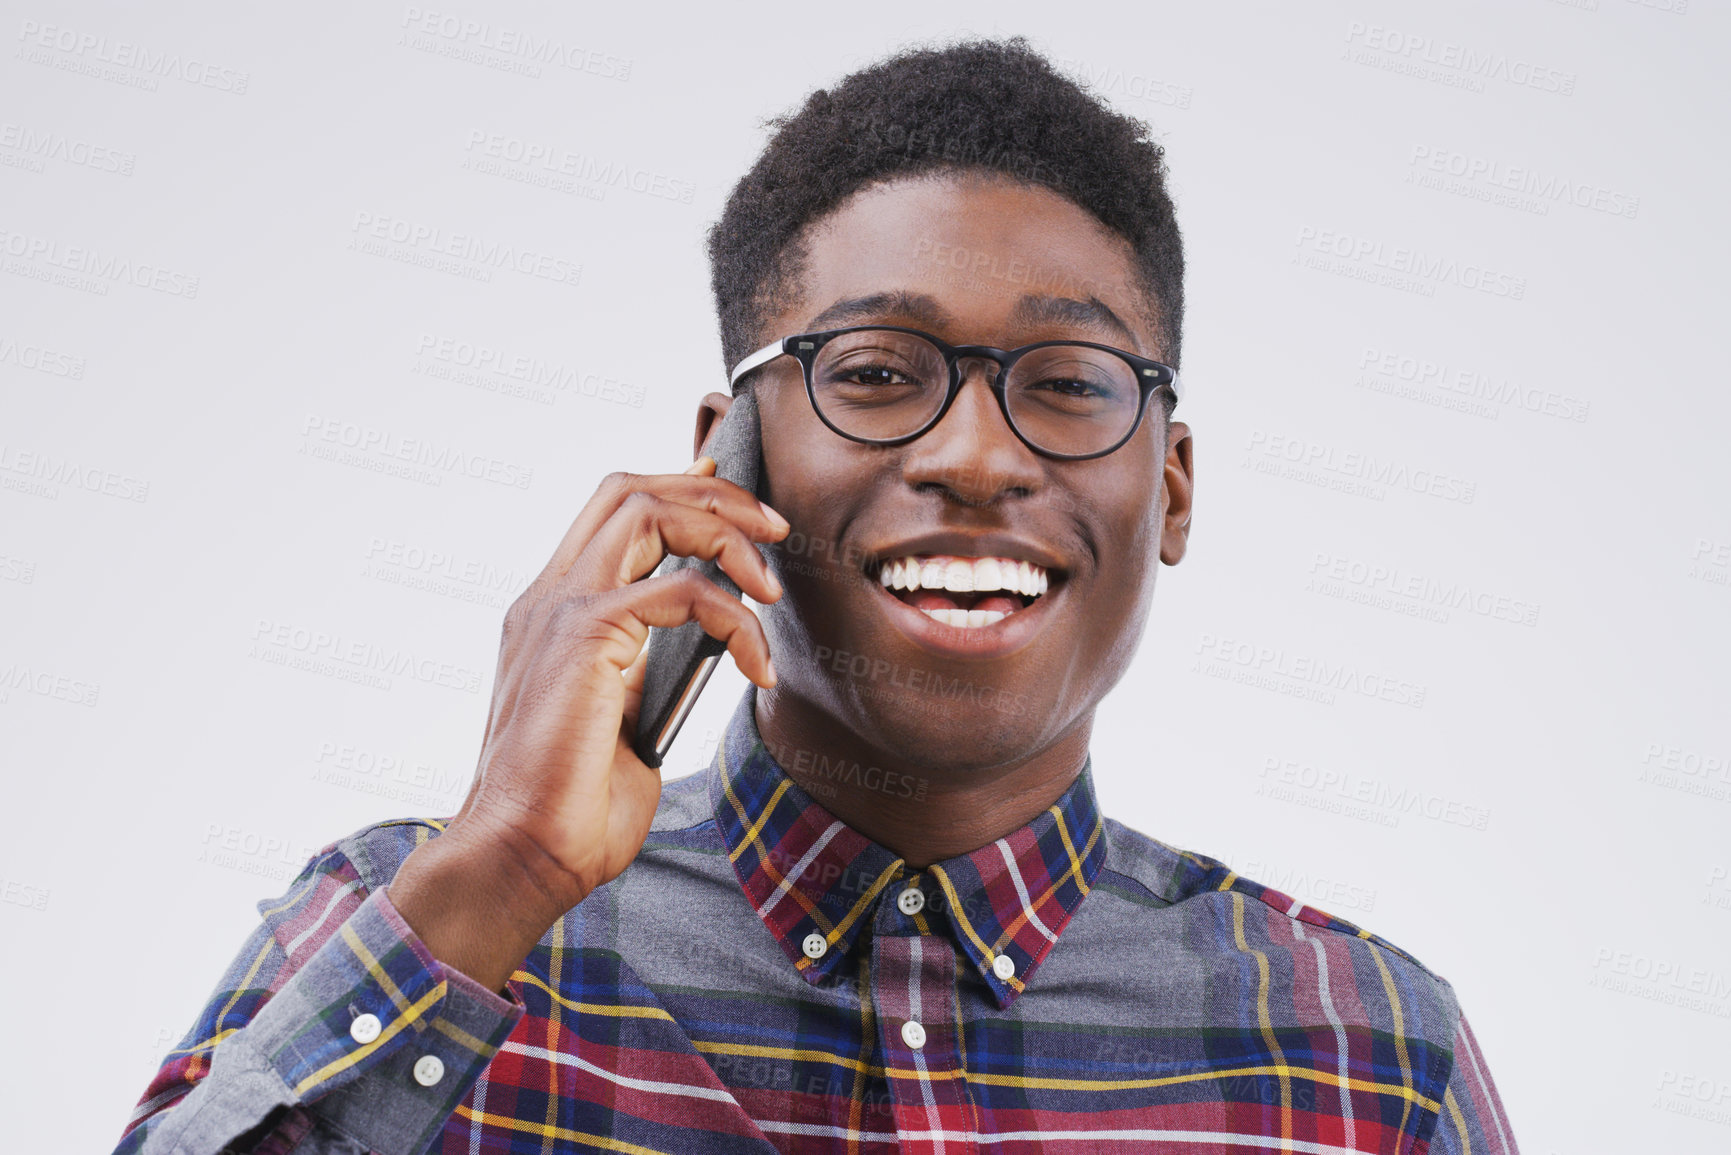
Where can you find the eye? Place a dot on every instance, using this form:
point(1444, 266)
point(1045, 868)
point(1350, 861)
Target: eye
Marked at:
point(874, 375)
point(1069, 387)
point(1071, 376)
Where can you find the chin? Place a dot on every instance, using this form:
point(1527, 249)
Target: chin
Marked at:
point(944, 726)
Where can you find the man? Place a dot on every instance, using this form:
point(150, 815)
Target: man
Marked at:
point(890, 916)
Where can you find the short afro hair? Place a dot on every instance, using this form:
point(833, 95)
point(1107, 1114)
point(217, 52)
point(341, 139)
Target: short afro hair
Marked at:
point(978, 104)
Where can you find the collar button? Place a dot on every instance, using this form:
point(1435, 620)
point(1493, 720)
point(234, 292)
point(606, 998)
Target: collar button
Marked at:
point(815, 946)
point(911, 901)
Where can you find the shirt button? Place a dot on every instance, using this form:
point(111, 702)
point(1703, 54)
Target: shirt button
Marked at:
point(1004, 967)
point(911, 901)
point(815, 945)
point(913, 1035)
point(364, 1029)
point(429, 1070)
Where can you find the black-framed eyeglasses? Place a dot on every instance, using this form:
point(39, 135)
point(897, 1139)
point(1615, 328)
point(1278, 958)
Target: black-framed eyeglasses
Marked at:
point(886, 385)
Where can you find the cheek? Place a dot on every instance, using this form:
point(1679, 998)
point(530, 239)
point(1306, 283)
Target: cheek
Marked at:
point(813, 479)
point(1132, 510)
point(1122, 602)
point(1129, 546)
point(818, 495)
point(803, 461)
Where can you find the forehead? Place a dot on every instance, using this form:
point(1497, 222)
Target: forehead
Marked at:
point(974, 259)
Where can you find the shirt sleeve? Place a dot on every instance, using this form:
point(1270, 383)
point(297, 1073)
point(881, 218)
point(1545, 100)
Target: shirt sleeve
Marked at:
point(1472, 1120)
point(333, 1030)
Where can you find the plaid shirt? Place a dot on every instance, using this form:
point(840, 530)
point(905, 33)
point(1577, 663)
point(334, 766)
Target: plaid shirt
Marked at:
point(765, 978)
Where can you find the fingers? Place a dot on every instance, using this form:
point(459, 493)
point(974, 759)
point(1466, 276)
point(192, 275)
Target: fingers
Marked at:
point(580, 653)
point(580, 666)
point(697, 488)
point(633, 682)
point(647, 527)
point(671, 601)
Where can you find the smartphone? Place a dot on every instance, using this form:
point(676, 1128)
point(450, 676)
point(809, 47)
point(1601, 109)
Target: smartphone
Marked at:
point(681, 660)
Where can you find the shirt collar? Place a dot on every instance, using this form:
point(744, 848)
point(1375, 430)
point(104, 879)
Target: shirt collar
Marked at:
point(815, 880)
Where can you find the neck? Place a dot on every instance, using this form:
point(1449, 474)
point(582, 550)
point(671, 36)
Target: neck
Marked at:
point(922, 811)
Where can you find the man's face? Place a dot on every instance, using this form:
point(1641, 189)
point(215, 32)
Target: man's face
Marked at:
point(958, 256)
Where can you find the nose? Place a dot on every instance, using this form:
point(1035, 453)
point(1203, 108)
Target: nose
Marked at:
point(971, 454)
point(988, 367)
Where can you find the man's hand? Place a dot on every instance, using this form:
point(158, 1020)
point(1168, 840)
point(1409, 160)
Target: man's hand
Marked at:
point(560, 803)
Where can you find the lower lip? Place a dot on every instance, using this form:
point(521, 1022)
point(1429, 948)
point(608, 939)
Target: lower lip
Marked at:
point(993, 641)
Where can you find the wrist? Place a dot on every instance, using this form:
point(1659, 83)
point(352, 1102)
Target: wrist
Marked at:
point(476, 905)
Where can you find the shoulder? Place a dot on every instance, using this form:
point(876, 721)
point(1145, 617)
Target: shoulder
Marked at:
point(1222, 911)
point(1169, 875)
point(686, 808)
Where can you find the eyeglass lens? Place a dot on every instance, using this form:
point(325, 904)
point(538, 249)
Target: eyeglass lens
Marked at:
point(883, 385)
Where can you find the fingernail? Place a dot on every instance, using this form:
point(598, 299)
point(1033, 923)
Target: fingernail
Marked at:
point(770, 663)
point(775, 518)
point(697, 466)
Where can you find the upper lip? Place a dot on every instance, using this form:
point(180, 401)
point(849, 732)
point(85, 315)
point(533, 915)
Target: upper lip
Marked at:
point(955, 543)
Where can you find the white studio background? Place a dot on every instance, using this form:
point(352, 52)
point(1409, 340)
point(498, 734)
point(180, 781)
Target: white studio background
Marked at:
point(1455, 298)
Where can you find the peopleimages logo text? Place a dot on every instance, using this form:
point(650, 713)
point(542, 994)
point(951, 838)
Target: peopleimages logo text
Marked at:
point(105, 266)
point(125, 54)
point(417, 451)
point(1468, 62)
point(1413, 263)
point(515, 42)
point(465, 246)
point(1361, 467)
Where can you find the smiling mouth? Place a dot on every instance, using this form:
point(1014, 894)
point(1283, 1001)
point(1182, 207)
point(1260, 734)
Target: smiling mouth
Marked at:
point(965, 592)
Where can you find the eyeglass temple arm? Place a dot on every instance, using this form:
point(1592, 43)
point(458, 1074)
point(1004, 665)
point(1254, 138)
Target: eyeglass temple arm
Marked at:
point(762, 357)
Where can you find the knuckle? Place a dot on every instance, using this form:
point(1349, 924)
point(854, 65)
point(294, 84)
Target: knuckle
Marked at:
point(518, 615)
point(641, 499)
point(641, 507)
point(740, 540)
point(522, 609)
point(619, 481)
point(570, 616)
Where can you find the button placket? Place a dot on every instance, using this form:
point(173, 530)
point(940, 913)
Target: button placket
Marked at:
point(913, 980)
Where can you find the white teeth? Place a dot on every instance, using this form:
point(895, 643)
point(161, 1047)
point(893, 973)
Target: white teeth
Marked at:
point(966, 619)
point(963, 575)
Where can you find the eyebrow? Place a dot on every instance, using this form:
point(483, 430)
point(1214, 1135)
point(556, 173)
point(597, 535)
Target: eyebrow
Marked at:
point(921, 308)
point(1092, 313)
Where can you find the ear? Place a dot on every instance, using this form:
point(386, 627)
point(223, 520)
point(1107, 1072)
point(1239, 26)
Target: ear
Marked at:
point(709, 414)
point(1180, 481)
